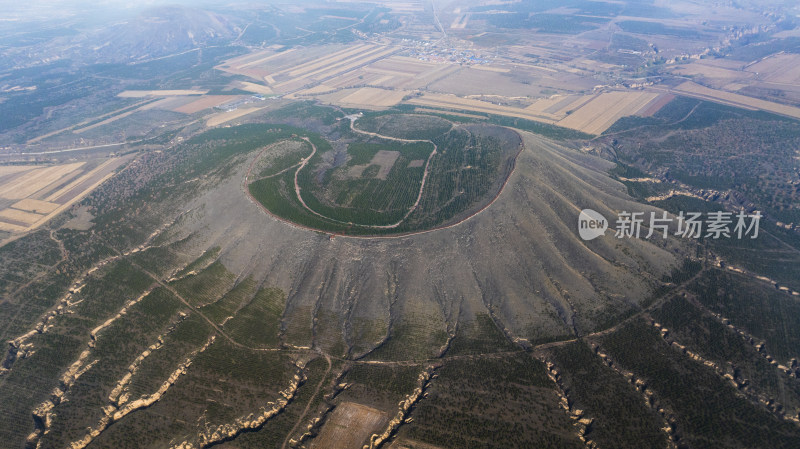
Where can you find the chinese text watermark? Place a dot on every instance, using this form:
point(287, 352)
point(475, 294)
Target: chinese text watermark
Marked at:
point(692, 225)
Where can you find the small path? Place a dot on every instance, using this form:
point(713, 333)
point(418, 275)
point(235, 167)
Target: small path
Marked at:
point(390, 226)
point(258, 204)
point(198, 312)
point(624, 131)
point(310, 400)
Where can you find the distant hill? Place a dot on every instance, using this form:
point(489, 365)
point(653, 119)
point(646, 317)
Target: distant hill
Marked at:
point(156, 32)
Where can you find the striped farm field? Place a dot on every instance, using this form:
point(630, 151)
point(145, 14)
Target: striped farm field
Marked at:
point(370, 97)
point(695, 90)
point(28, 218)
point(205, 102)
point(255, 88)
point(159, 93)
point(35, 194)
point(36, 180)
point(780, 69)
point(454, 102)
point(224, 117)
point(35, 206)
point(601, 112)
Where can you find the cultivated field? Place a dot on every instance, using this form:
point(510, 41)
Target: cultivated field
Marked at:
point(385, 160)
point(114, 116)
point(371, 97)
point(395, 6)
point(714, 75)
point(294, 70)
point(11, 169)
point(466, 104)
point(591, 114)
point(36, 180)
point(255, 88)
point(159, 93)
point(404, 72)
point(372, 76)
point(656, 105)
point(602, 111)
point(224, 117)
point(170, 103)
point(558, 105)
point(695, 90)
point(457, 114)
point(405, 443)
point(780, 69)
point(460, 22)
point(349, 426)
point(205, 102)
point(35, 194)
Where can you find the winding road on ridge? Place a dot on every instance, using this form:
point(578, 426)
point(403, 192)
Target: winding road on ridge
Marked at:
point(413, 207)
point(250, 196)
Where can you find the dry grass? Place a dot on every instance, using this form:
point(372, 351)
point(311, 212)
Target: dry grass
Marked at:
point(395, 6)
point(349, 426)
point(370, 97)
point(601, 112)
point(779, 69)
point(108, 120)
point(565, 108)
point(255, 88)
point(36, 180)
point(339, 57)
point(538, 67)
point(592, 114)
point(145, 105)
point(712, 72)
point(454, 102)
point(265, 59)
point(384, 159)
point(307, 66)
point(403, 66)
point(321, 70)
point(732, 87)
point(695, 90)
point(159, 93)
point(459, 114)
point(542, 105)
point(10, 227)
point(360, 77)
point(337, 69)
point(320, 89)
point(224, 117)
point(656, 105)
point(205, 102)
point(461, 22)
point(36, 206)
point(11, 169)
point(405, 443)
point(28, 218)
point(558, 107)
point(169, 103)
point(59, 195)
point(43, 194)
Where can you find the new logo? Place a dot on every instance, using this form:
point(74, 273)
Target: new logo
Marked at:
point(591, 224)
